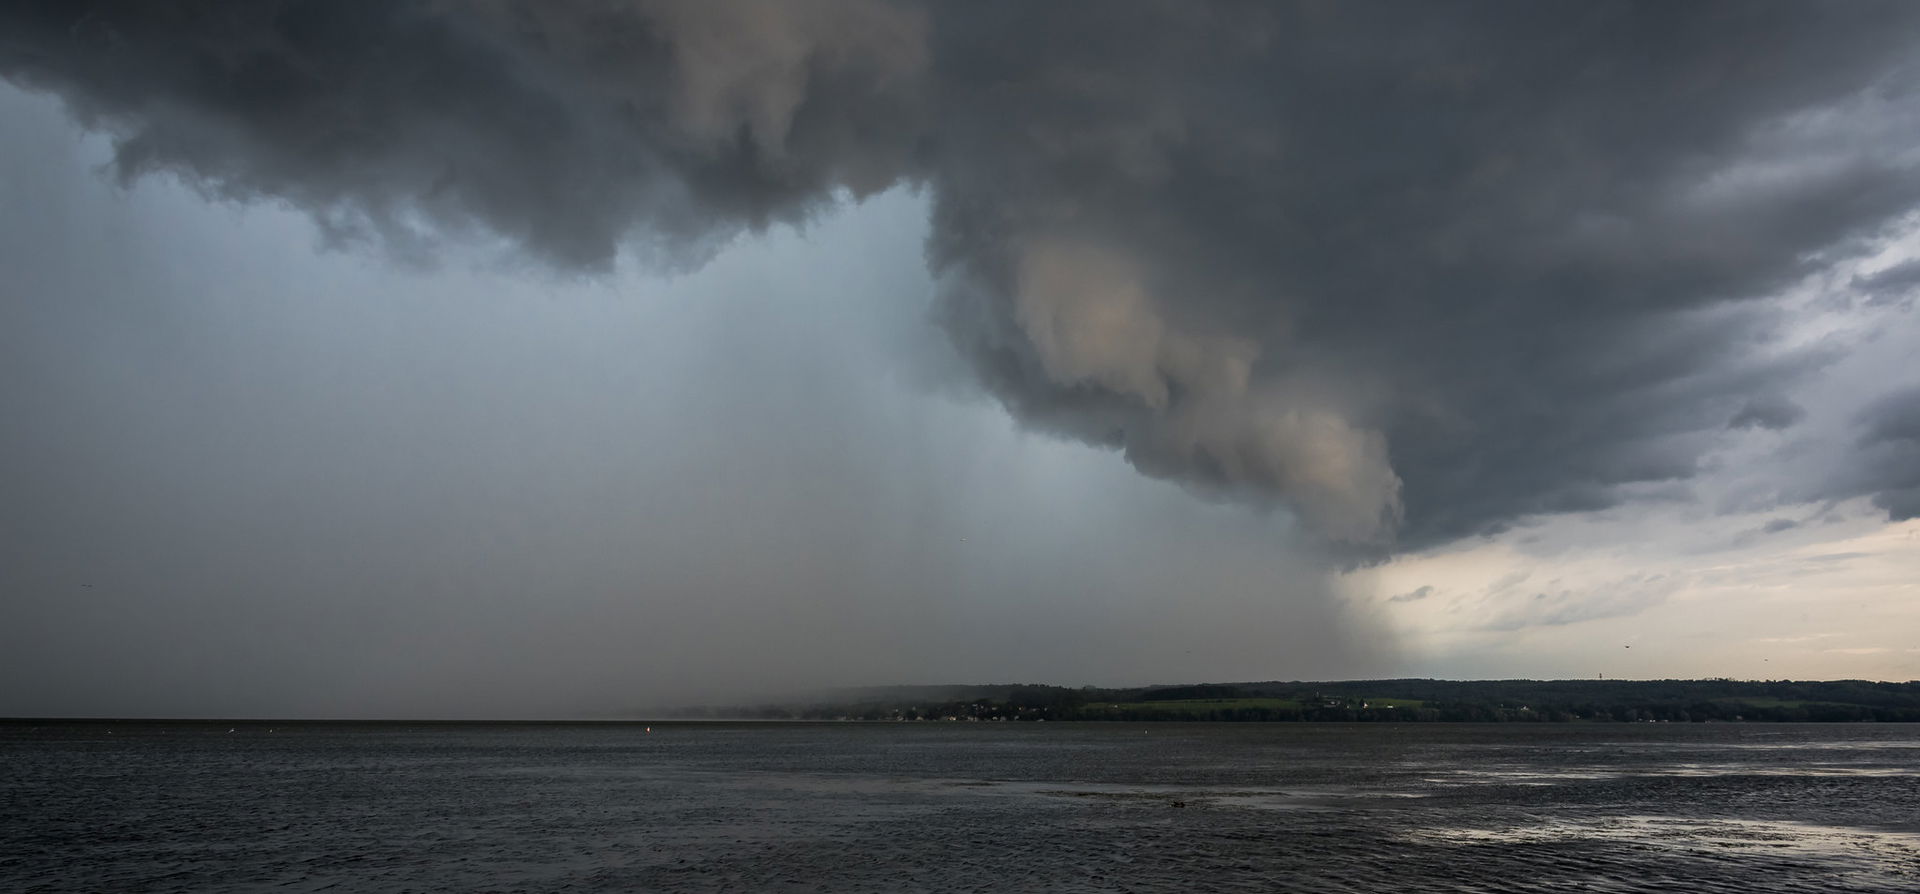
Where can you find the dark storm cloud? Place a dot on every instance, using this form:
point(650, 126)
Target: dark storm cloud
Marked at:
point(1893, 420)
point(1414, 595)
point(1501, 238)
point(565, 128)
point(1888, 465)
point(1410, 270)
point(1770, 412)
point(1891, 285)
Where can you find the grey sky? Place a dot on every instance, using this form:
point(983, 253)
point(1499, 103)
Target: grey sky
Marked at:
point(248, 475)
point(362, 358)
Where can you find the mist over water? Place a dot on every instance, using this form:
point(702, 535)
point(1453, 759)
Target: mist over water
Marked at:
point(275, 482)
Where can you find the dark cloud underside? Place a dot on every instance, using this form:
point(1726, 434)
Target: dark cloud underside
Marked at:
point(1889, 460)
point(1411, 270)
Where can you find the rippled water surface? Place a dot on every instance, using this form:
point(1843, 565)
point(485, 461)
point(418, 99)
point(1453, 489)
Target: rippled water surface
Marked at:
point(967, 807)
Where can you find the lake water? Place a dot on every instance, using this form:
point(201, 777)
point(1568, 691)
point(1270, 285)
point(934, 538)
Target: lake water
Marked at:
point(959, 807)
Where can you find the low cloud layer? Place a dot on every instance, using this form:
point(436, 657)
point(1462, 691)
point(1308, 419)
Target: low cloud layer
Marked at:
point(1410, 271)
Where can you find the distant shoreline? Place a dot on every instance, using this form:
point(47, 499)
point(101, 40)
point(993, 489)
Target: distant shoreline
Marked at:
point(1342, 701)
point(1366, 701)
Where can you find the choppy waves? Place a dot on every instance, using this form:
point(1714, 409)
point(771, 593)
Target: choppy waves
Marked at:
point(1095, 807)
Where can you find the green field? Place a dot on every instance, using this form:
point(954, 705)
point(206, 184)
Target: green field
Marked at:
point(1374, 701)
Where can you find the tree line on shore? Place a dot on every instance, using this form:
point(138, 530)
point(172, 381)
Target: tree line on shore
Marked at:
point(1403, 700)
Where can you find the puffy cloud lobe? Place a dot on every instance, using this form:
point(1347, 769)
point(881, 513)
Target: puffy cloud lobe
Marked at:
point(1411, 270)
point(1086, 314)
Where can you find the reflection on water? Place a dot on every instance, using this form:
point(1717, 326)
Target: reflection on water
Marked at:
point(1852, 859)
point(1300, 807)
